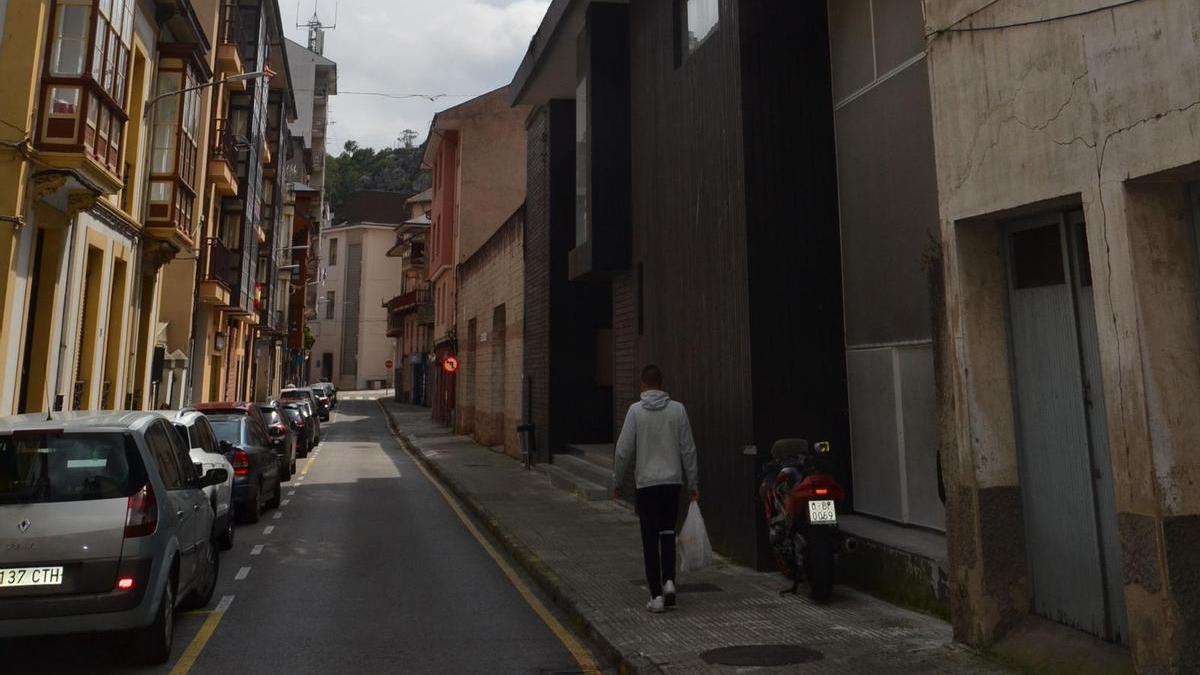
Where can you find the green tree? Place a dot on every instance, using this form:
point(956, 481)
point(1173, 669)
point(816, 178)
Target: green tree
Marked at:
point(357, 168)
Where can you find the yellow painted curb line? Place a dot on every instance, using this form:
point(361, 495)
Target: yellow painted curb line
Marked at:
point(192, 653)
point(580, 653)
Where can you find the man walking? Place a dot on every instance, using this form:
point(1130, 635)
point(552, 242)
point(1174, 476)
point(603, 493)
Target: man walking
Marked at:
point(657, 431)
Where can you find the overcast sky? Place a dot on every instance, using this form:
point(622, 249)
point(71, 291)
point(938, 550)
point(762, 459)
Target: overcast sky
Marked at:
point(459, 47)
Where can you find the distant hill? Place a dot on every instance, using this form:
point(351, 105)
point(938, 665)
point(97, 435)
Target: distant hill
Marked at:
point(391, 169)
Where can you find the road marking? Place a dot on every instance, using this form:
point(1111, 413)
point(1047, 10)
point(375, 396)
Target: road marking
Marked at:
point(268, 529)
point(285, 502)
point(189, 656)
point(291, 492)
point(582, 656)
point(242, 574)
point(278, 515)
point(257, 549)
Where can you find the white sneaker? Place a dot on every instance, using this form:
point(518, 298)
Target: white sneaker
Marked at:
point(655, 605)
point(669, 594)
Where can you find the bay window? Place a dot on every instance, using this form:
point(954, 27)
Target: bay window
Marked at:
point(174, 139)
point(85, 79)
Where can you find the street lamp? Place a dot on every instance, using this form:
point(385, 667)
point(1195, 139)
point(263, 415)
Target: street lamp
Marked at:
point(258, 74)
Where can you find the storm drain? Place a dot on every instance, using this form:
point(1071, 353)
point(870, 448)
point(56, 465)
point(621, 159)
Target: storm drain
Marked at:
point(761, 655)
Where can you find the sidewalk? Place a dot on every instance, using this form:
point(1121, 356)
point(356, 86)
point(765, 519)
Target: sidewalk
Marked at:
point(587, 557)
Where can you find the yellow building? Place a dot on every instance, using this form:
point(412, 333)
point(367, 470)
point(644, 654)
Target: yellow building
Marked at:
point(106, 175)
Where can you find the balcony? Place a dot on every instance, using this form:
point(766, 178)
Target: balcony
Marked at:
point(395, 325)
point(222, 159)
point(229, 55)
point(221, 275)
point(399, 307)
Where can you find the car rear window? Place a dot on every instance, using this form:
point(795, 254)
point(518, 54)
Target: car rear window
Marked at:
point(295, 395)
point(228, 428)
point(54, 467)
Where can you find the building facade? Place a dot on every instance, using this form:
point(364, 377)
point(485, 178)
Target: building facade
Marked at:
point(491, 307)
point(475, 154)
point(1067, 153)
point(356, 279)
point(100, 177)
point(410, 314)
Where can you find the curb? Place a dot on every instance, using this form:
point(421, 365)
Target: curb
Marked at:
point(541, 573)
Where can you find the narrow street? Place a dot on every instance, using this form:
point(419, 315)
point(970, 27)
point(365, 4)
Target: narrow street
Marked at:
point(364, 568)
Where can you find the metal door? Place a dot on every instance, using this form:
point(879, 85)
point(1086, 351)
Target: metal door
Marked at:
point(1066, 473)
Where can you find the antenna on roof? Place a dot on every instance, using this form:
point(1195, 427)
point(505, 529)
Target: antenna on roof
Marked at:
point(316, 29)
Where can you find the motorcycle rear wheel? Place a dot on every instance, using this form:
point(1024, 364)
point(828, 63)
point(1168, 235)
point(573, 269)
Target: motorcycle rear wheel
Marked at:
point(819, 564)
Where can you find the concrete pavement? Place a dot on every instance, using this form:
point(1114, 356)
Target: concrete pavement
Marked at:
point(586, 555)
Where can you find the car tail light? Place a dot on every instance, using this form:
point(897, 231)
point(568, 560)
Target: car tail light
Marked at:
point(125, 583)
point(141, 516)
point(241, 463)
point(299, 424)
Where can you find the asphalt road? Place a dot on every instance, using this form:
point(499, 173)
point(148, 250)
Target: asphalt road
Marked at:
point(364, 568)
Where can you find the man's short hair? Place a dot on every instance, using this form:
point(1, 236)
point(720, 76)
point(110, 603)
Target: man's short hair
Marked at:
point(652, 376)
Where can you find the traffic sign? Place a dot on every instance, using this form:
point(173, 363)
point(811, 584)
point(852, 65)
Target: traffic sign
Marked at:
point(388, 364)
point(450, 364)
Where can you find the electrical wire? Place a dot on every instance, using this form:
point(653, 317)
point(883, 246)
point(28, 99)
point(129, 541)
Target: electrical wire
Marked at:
point(384, 94)
point(1020, 24)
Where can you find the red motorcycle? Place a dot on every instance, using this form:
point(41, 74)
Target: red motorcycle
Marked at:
point(801, 500)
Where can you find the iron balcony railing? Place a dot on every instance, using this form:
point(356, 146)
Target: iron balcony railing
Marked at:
point(231, 25)
point(221, 264)
point(224, 146)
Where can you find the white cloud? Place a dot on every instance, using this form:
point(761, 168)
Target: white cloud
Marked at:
point(458, 47)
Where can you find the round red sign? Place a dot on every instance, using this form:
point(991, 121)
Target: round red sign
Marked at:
point(450, 364)
point(388, 364)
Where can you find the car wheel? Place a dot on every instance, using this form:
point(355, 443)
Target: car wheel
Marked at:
point(152, 644)
point(273, 502)
point(226, 539)
point(252, 511)
point(203, 593)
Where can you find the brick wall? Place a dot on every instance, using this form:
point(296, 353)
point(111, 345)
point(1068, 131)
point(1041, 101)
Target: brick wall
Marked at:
point(491, 297)
point(537, 275)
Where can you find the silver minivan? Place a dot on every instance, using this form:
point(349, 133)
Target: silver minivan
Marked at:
point(104, 526)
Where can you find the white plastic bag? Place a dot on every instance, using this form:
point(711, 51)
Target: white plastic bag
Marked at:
point(695, 551)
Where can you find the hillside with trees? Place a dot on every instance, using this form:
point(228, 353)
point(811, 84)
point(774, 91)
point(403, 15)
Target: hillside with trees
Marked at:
point(395, 169)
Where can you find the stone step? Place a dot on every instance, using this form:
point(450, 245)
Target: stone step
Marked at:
point(596, 453)
point(571, 482)
point(580, 466)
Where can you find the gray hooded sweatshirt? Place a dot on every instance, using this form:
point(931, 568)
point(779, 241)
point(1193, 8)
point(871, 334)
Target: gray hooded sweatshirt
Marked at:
point(657, 431)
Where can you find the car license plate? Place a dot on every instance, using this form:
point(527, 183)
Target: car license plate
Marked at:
point(31, 576)
point(822, 511)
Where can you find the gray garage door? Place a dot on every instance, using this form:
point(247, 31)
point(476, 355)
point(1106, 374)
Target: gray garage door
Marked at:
point(1066, 472)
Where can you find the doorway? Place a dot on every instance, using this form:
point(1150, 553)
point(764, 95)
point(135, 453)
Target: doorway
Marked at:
point(1063, 454)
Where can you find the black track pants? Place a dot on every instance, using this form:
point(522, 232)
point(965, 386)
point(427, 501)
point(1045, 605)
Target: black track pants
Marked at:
point(658, 509)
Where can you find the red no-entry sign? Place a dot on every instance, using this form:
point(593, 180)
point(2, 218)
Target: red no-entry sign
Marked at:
point(388, 364)
point(450, 364)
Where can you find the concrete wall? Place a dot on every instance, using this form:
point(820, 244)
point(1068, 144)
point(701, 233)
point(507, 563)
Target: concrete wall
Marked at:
point(380, 279)
point(489, 386)
point(1102, 112)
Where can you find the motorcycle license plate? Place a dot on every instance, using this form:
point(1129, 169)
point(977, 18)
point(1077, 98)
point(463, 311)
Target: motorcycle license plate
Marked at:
point(822, 511)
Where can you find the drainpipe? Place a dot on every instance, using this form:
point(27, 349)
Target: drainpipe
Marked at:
point(62, 327)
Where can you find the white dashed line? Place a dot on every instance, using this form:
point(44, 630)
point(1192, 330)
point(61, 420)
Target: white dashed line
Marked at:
point(278, 515)
point(291, 492)
point(223, 605)
point(285, 502)
point(242, 574)
point(268, 529)
point(257, 549)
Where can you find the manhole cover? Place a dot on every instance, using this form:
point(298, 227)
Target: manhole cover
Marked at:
point(761, 655)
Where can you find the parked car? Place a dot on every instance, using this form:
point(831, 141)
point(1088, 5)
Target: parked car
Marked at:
point(305, 395)
point(282, 436)
point(323, 401)
point(197, 435)
point(256, 478)
point(330, 391)
point(105, 527)
point(296, 416)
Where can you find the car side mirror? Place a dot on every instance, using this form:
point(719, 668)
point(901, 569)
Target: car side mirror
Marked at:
point(214, 477)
